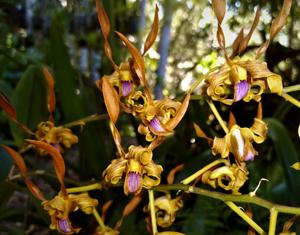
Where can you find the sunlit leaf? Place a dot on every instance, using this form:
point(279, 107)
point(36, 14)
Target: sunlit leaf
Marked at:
point(111, 99)
point(153, 33)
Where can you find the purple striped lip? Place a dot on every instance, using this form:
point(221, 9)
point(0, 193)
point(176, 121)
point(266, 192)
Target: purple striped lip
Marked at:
point(64, 226)
point(156, 125)
point(241, 90)
point(126, 88)
point(134, 182)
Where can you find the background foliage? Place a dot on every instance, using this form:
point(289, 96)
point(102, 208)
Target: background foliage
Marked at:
point(65, 36)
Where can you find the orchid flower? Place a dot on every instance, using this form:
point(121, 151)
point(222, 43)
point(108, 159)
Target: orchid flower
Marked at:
point(244, 79)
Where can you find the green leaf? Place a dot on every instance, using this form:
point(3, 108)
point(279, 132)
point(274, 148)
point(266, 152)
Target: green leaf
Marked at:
point(6, 164)
point(8, 230)
point(6, 190)
point(65, 76)
point(287, 154)
point(30, 100)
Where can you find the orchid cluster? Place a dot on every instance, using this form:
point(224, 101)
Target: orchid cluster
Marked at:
point(127, 90)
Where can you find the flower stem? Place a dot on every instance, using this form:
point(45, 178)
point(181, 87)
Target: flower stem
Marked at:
point(291, 88)
point(273, 221)
point(246, 198)
point(83, 121)
point(152, 211)
point(194, 176)
point(98, 218)
point(245, 217)
point(217, 115)
point(291, 99)
point(86, 188)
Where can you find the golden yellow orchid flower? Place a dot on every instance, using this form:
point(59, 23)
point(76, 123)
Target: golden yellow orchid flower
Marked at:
point(241, 79)
point(136, 168)
point(166, 209)
point(229, 177)
point(61, 206)
point(55, 136)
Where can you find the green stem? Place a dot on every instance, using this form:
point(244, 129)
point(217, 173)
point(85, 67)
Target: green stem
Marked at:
point(245, 217)
point(99, 219)
point(291, 88)
point(152, 211)
point(291, 99)
point(202, 170)
point(83, 121)
point(217, 115)
point(273, 221)
point(95, 186)
point(229, 197)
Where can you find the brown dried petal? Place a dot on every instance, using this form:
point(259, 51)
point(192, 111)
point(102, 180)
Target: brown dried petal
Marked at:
point(153, 33)
point(111, 99)
point(219, 7)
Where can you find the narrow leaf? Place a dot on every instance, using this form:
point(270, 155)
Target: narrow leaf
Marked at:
point(19, 161)
point(111, 99)
point(219, 7)
point(180, 113)
point(153, 33)
point(7, 107)
point(57, 159)
point(51, 93)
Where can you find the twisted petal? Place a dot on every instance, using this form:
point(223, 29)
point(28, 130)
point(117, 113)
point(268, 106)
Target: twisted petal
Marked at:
point(220, 146)
point(141, 154)
point(84, 202)
point(151, 175)
point(114, 172)
point(65, 136)
point(240, 90)
point(166, 208)
point(259, 129)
